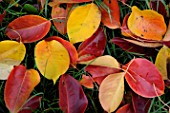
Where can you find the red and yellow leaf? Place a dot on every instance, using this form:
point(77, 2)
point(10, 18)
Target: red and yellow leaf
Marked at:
point(111, 91)
point(28, 28)
point(110, 14)
point(83, 22)
point(147, 24)
point(52, 59)
point(18, 87)
point(11, 54)
point(71, 95)
point(144, 78)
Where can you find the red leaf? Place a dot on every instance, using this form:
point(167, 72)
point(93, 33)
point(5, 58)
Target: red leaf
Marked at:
point(93, 46)
point(111, 15)
point(18, 87)
point(2, 16)
point(144, 78)
point(70, 48)
point(140, 104)
point(28, 28)
point(130, 47)
point(31, 105)
point(87, 81)
point(71, 96)
point(126, 109)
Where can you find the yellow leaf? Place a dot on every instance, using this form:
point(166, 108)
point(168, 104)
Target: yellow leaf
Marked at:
point(52, 59)
point(11, 54)
point(106, 61)
point(162, 59)
point(147, 24)
point(111, 91)
point(83, 22)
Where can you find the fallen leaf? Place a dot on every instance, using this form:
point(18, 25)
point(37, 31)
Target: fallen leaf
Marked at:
point(162, 59)
point(83, 22)
point(167, 34)
point(28, 28)
point(87, 81)
point(71, 96)
point(70, 48)
point(126, 109)
point(11, 54)
point(92, 47)
point(18, 87)
point(110, 14)
point(2, 16)
point(147, 24)
point(111, 91)
point(52, 59)
point(144, 78)
point(41, 4)
point(57, 2)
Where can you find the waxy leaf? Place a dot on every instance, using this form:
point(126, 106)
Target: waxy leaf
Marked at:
point(162, 61)
point(111, 91)
point(70, 48)
point(110, 14)
point(71, 96)
point(92, 47)
point(144, 78)
point(28, 28)
point(83, 22)
point(31, 104)
point(52, 59)
point(60, 15)
point(11, 54)
point(147, 24)
point(18, 87)
point(2, 16)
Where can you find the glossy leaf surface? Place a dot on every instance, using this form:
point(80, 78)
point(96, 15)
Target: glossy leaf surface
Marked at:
point(11, 54)
point(126, 109)
point(147, 24)
point(52, 59)
point(28, 28)
point(92, 47)
point(18, 87)
point(111, 91)
point(70, 48)
point(144, 78)
point(110, 14)
point(31, 104)
point(83, 22)
point(71, 96)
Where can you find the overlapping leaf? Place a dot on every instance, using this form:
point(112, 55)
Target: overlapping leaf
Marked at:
point(18, 87)
point(144, 78)
point(83, 22)
point(28, 28)
point(11, 54)
point(111, 91)
point(52, 59)
point(71, 96)
point(57, 2)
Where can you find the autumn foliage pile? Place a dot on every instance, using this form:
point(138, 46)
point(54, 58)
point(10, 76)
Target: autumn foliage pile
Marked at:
point(142, 32)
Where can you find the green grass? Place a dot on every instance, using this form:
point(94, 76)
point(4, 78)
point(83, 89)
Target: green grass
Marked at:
point(46, 89)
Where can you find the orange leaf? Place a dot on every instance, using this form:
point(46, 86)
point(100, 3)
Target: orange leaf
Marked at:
point(147, 24)
point(110, 14)
point(18, 87)
point(28, 28)
point(111, 91)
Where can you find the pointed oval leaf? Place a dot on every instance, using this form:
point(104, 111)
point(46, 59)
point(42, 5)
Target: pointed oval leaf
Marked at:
point(147, 24)
point(71, 95)
point(110, 14)
point(52, 59)
point(128, 108)
point(11, 54)
point(111, 91)
point(18, 87)
point(162, 59)
point(92, 47)
point(144, 78)
point(83, 22)
point(70, 48)
point(28, 28)
point(31, 104)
